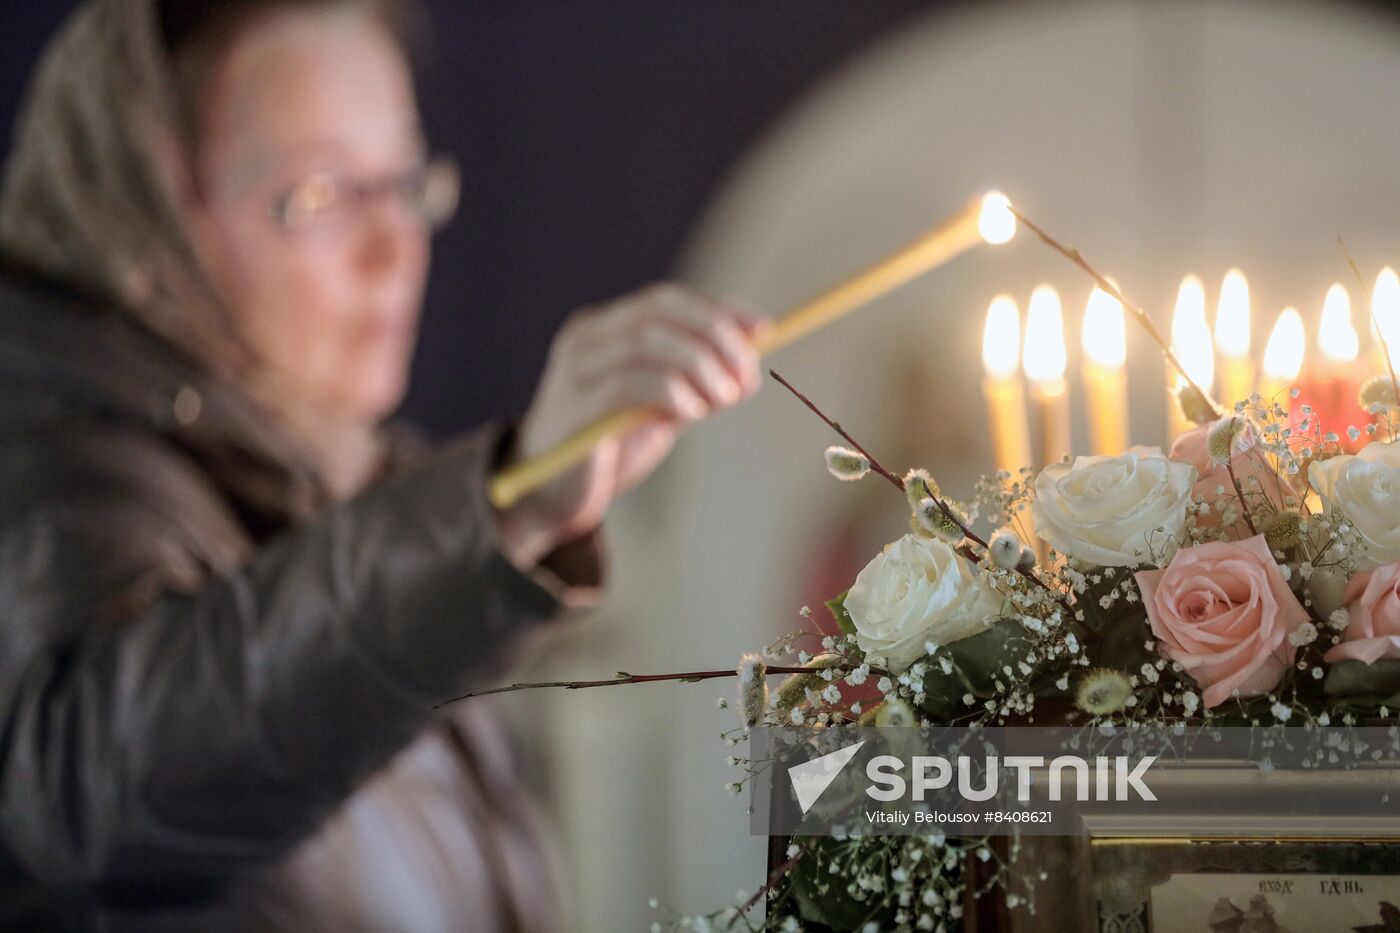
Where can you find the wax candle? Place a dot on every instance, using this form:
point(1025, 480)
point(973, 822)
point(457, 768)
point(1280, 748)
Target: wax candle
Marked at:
point(1192, 346)
point(1385, 319)
point(1329, 388)
point(1044, 364)
point(1105, 345)
point(1232, 339)
point(1283, 357)
point(1002, 388)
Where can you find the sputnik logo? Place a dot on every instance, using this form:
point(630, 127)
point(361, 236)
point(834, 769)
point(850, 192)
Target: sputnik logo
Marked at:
point(811, 778)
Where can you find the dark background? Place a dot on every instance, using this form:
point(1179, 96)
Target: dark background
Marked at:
point(591, 136)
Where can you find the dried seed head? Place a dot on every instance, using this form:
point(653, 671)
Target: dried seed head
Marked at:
point(930, 519)
point(1283, 529)
point(1027, 559)
point(753, 688)
point(1378, 390)
point(846, 464)
point(918, 485)
point(1225, 439)
point(895, 713)
point(794, 689)
point(1195, 406)
point(1103, 691)
point(1005, 549)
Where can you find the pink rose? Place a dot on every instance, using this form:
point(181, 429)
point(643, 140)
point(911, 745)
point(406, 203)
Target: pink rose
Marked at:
point(1223, 611)
point(1257, 478)
point(1372, 598)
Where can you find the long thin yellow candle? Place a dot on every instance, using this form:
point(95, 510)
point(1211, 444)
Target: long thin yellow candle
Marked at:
point(1232, 339)
point(1105, 345)
point(987, 219)
point(1283, 357)
point(1191, 342)
point(1044, 362)
point(1002, 388)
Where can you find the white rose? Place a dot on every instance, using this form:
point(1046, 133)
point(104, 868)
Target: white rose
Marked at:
point(917, 590)
point(1366, 487)
point(1113, 511)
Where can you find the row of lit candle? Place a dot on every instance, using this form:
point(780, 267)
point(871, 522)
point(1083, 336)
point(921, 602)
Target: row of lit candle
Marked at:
point(1329, 387)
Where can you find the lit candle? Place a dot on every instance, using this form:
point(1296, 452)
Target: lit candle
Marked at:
point(1330, 388)
point(1192, 346)
point(1044, 363)
point(1283, 357)
point(1232, 335)
point(1105, 379)
point(1006, 398)
point(1385, 312)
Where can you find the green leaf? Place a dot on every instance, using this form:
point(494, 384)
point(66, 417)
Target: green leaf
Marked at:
point(977, 661)
point(1377, 683)
point(1115, 637)
point(837, 605)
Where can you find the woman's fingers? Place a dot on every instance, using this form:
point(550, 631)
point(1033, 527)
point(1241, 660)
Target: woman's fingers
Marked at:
point(670, 325)
point(658, 344)
point(717, 324)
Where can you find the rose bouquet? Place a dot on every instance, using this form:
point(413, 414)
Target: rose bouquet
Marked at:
point(1249, 575)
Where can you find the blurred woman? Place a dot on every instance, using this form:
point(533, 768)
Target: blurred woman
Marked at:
point(231, 589)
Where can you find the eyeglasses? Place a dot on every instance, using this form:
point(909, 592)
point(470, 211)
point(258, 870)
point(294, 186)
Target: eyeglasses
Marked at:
point(327, 200)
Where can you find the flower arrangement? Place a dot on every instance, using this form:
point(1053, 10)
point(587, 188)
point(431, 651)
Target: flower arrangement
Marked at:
point(1249, 575)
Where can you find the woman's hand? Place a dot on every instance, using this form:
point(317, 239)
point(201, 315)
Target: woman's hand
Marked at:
point(664, 348)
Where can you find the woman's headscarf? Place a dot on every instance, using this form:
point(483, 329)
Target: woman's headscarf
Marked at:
point(92, 196)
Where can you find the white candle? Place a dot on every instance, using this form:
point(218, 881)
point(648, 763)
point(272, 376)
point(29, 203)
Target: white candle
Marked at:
point(1232, 339)
point(1105, 343)
point(1006, 398)
point(1283, 357)
point(1191, 343)
point(1044, 363)
point(1385, 310)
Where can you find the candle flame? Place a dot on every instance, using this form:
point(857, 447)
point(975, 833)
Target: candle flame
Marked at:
point(1001, 339)
point(1232, 316)
point(1336, 338)
point(1283, 354)
point(1385, 307)
point(1044, 356)
point(1191, 334)
point(996, 223)
point(1104, 338)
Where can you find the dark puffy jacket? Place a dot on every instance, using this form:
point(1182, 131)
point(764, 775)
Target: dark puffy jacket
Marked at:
point(216, 686)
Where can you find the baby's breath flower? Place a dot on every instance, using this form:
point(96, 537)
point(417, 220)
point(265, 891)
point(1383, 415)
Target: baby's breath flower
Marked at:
point(1304, 634)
